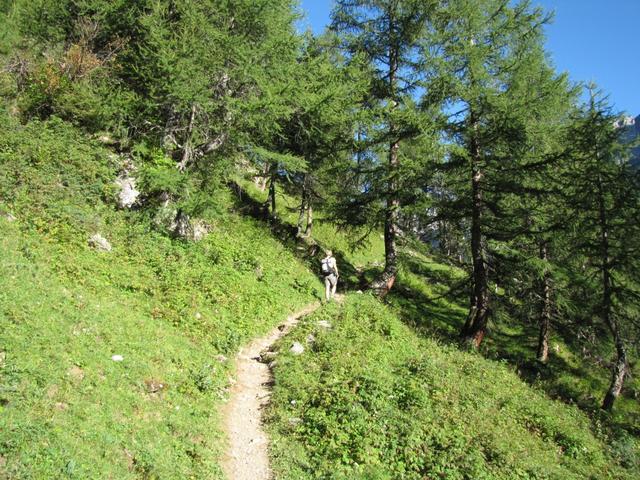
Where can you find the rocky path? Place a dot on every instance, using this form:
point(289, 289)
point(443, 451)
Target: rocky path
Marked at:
point(247, 451)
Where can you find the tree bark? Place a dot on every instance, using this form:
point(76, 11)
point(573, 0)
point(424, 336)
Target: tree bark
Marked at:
point(303, 205)
point(271, 199)
point(308, 230)
point(187, 150)
point(545, 313)
point(475, 326)
point(619, 370)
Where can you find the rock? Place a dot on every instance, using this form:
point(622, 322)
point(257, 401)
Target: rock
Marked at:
point(106, 139)
point(182, 225)
point(198, 315)
point(297, 348)
point(199, 230)
point(324, 324)
point(128, 194)
point(359, 292)
point(273, 364)
point(117, 358)
point(311, 338)
point(7, 216)
point(98, 242)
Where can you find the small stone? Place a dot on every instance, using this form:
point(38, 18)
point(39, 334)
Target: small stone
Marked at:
point(359, 292)
point(8, 216)
point(324, 324)
point(311, 338)
point(154, 386)
point(297, 348)
point(98, 242)
point(198, 315)
point(128, 194)
point(117, 358)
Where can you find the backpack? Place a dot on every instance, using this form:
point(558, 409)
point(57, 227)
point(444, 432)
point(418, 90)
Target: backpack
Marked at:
point(326, 268)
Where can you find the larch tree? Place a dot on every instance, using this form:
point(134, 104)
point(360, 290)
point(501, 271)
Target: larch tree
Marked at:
point(387, 34)
point(605, 197)
point(480, 66)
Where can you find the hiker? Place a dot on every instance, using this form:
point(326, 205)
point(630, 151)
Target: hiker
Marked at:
point(330, 274)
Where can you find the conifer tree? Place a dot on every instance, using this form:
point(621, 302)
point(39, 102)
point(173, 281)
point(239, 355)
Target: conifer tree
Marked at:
point(387, 33)
point(483, 67)
point(605, 198)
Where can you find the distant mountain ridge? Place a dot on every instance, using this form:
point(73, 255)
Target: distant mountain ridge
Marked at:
point(631, 125)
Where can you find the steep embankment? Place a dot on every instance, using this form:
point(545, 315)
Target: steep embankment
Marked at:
point(371, 400)
point(113, 364)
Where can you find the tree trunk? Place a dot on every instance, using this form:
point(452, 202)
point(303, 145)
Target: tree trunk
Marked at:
point(383, 284)
point(303, 205)
point(620, 367)
point(308, 230)
point(545, 313)
point(271, 199)
point(476, 324)
point(187, 150)
point(619, 370)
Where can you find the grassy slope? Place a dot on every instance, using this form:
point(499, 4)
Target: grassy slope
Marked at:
point(371, 400)
point(524, 439)
point(67, 410)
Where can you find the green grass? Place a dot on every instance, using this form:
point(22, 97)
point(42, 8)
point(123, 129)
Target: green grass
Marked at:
point(169, 307)
point(369, 399)
point(384, 394)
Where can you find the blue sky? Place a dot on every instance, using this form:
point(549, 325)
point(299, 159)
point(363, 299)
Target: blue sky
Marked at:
point(594, 40)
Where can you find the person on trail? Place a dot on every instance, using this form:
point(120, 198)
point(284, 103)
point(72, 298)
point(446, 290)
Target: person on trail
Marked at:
point(330, 274)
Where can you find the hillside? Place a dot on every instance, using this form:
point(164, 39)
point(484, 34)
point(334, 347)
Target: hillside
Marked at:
point(171, 174)
point(175, 311)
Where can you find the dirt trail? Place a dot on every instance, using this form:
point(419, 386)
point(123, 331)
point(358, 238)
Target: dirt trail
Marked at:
point(247, 451)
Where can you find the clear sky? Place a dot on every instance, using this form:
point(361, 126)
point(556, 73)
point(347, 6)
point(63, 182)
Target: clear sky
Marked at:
point(593, 40)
